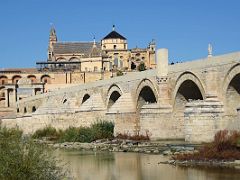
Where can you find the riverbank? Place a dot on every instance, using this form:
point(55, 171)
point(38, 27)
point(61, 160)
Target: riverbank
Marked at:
point(229, 163)
point(167, 148)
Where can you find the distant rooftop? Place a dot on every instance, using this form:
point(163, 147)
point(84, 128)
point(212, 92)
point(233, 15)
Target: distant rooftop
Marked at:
point(74, 47)
point(114, 35)
point(19, 70)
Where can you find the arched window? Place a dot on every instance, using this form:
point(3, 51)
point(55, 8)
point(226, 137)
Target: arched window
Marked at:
point(15, 79)
point(46, 79)
point(3, 80)
point(61, 59)
point(32, 78)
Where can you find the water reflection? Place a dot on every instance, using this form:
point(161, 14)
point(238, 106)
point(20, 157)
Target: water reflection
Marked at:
point(133, 166)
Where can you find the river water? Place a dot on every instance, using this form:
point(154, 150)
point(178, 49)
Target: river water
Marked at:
point(135, 166)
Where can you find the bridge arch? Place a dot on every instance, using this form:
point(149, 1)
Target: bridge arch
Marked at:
point(146, 93)
point(231, 90)
point(85, 98)
point(190, 86)
point(187, 87)
point(233, 71)
point(114, 93)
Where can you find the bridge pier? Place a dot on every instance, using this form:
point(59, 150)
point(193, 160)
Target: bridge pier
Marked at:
point(124, 115)
point(158, 123)
point(202, 120)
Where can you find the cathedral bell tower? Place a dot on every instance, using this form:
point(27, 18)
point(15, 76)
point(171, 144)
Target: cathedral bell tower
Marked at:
point(52, 40)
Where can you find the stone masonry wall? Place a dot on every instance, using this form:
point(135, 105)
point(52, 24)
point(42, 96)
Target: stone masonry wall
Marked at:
point(159, 123)
point(202, 119)
point(29, 124)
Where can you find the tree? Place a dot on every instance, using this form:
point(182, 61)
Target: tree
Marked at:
point(23, 159)
point(142, 67)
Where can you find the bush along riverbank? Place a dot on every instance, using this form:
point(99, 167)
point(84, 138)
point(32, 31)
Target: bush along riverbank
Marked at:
point(223, 151)
point(98, 130)
point(99, 137)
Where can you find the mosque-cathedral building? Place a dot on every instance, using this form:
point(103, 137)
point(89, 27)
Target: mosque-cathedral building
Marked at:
point(71, 63)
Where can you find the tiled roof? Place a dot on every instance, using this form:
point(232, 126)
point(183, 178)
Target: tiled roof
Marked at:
point(20, 70)
point(74, 47)
point(114, 35)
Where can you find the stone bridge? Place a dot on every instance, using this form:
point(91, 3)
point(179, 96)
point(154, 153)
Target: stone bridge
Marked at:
point(190, 100)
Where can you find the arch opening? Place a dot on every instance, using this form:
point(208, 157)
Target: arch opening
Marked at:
point(46, 79)
point(25, 110)
point(146, 96)
point(34, 109)
point(64, 101)
point(85, 98)
point(133, 66)
point(187, 91)
point(32, 78)
point(2, 96)
point(233, 95)
point(15, 79)
point(113, 98)
point(3, 80)
point(190, 91)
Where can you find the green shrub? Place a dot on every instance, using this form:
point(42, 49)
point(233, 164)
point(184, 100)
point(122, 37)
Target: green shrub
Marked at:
point(23, 159)
point(142, 66)
point(85, 134)
point(69, 135)
point(119, 73)
point(102, 129)
point(99, 130)
point(49, 132)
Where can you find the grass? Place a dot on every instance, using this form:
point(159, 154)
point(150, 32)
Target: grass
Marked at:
point(21, 158)
point(225, 146)
point(98, 130)
point(49, 132)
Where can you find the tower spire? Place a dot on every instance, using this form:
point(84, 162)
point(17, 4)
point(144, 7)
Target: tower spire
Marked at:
point(113, 28)
point(52, 40)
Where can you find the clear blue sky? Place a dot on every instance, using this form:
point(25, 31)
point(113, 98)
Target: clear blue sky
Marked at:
point(185, 27)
